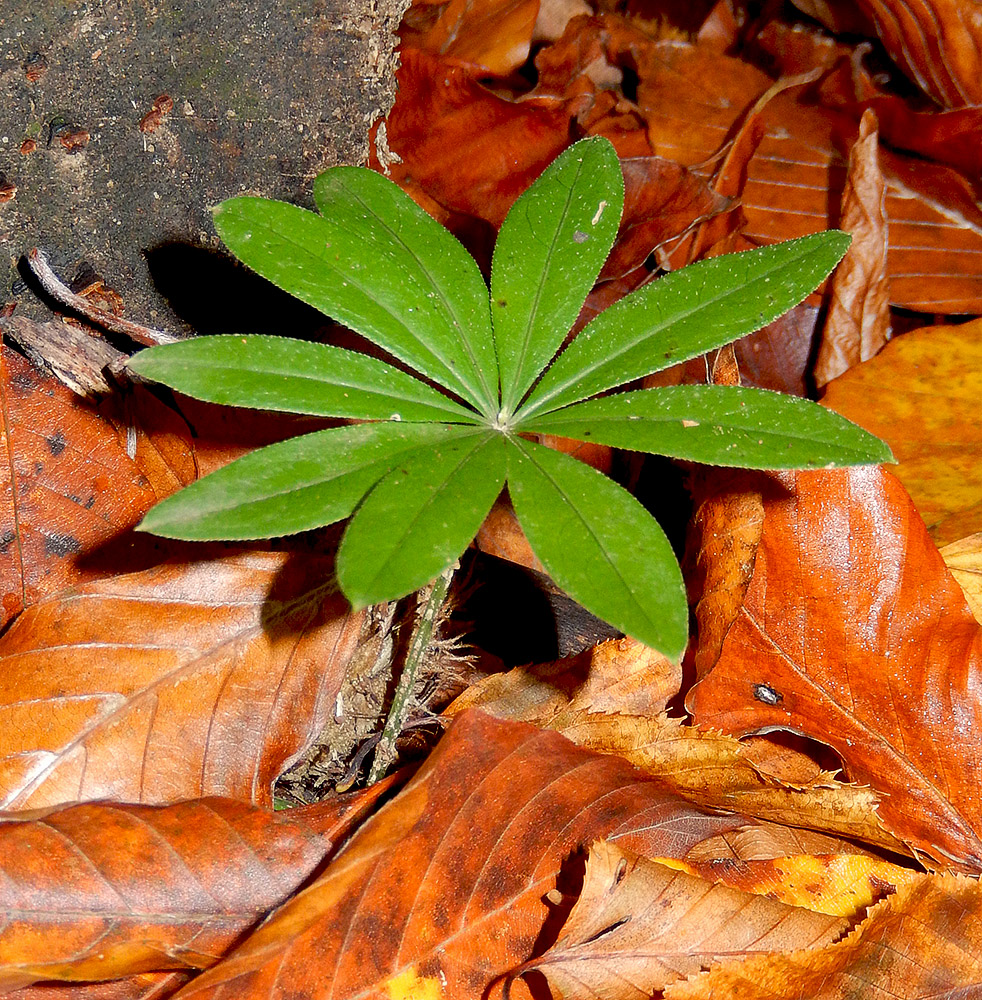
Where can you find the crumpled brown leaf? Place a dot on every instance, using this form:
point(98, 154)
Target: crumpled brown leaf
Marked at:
point(857, 323)
point(444, 889)
point(923, 941)
point(638, 926)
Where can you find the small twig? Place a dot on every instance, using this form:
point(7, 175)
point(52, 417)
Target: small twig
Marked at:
point(65, 297)
point(385, 752)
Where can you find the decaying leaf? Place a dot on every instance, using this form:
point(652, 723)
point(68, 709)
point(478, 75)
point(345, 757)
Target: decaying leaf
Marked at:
point(854, 633)
point(100, 891)
point(921, 395)
point(638, 926)
point(857, 324)
point(445, 886)
point(582, 699)
point(923, 941)
point(198, 678)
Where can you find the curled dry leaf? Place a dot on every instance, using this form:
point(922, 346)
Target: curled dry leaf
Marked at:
point(100, 891)
point(492, 36)
point(444, 888)
point(763, 841)
point(937, 43)
point(854, 633)
point(189, 679)
point(964, 559)
point(921, 395)
point(142, 986)
point(857, 324)
point(583, 699)
point(639, 925)
point(691, 98)
point(923, 941)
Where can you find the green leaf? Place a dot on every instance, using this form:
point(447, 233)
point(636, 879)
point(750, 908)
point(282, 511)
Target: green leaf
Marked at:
point(418, 520)
point(719, 425)
point(549, 252)
point(278, 373)
point(293, 485)
point(599, 544)
point(685, 314)
point(378, 263)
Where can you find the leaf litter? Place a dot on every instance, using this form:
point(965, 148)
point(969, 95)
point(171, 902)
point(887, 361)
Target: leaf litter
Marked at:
point(821, 591)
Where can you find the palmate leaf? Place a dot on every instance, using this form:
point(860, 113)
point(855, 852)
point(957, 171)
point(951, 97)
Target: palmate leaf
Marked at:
point(375, 261)
point(547, 257)
point(684, 314)
point(294, 485)
point(279, 373)
point(718, 425)
point(599, 544)
point(420, 517)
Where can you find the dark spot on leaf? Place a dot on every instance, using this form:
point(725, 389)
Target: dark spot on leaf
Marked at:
point(767, 694)
point(22, 382)
point(5, 539)
point(38, 468)
point(502, 302)
point(56, 443)
point(90, 503)
point(61, 545)
point(580, 237)
point(74, 499)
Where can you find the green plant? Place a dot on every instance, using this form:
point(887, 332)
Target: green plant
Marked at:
point(421, 476)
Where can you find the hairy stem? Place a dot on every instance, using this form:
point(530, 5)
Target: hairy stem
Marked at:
point(385, 752)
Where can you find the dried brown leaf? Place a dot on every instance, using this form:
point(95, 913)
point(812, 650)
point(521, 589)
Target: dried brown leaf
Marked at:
point(639, 925)
point(923, 941)
point(100, 891)
point(444, 889)
point(853, 633)
point(187, 679)
point(857, 323)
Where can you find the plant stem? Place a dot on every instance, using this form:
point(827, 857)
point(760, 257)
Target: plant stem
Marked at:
point(385, 752)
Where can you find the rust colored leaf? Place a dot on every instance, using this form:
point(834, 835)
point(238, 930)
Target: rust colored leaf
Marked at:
point(843, 885)
point(620, 675)
point(692, 97)
point(100, 891)
point(188, 679)
point(588, 698)
point(68, 485)
point(494, 36)
point(143, 986)
point(639, 925)
point(472, 151)
point(857, 324)
point(921, 394)
point(936, 43)
point(923, 941)
point(964, 559)
point(854, 633)
point(445, 885)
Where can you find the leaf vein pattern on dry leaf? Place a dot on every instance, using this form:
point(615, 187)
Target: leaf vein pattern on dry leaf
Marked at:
point(14, 486)
point(123, 703)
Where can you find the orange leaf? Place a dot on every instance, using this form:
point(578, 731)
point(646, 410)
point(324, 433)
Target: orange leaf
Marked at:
point(184, 680)
point(68, 485)
point(99, 891)
point(443, 889)
point(921, 394)
point(853, 633)
point(639, 925)
point(924, 941)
